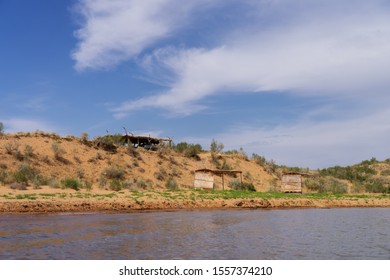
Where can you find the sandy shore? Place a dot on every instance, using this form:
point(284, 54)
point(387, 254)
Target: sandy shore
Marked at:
point(44, 201)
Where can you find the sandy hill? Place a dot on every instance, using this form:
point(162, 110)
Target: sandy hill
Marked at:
point(47, 159)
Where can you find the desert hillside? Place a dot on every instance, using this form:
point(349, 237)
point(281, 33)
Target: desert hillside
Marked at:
point(40, 159)
point(34, 160)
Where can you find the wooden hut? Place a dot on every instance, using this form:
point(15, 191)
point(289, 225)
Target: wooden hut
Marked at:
point(205, 178)
point(292, 182)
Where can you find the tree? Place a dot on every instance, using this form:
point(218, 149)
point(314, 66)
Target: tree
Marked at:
point(216, 147)
point(1, 128)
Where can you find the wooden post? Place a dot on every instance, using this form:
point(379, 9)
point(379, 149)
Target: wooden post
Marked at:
point(223, 183)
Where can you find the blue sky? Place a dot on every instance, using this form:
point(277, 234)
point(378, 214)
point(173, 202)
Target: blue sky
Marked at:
point(299, 81)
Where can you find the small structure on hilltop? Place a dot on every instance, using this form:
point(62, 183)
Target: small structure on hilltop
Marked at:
point(205, 178)
point(292, 182)
point(146, 142)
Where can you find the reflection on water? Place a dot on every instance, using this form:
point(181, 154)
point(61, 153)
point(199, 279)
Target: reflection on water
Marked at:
point(352, 233)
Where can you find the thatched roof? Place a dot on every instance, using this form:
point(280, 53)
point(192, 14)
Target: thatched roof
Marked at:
point(218, 171)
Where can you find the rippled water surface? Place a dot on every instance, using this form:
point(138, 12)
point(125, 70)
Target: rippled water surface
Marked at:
point(352, 233)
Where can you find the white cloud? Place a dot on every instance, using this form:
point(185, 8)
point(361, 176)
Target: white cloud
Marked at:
point(117, 30)
point(312, 144)
point(19, 124)
point(336, 49)
point(325, 55)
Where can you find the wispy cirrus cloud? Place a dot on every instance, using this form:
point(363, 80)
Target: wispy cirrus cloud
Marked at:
point(114, 31)
point(325, 53)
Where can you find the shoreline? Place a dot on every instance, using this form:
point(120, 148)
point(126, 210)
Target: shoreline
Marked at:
point(127, 205)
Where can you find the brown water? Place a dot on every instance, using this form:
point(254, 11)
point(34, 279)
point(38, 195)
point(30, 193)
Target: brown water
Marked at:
point(353, 233)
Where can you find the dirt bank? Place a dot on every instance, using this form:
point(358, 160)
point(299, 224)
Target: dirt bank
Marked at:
point(121, 204)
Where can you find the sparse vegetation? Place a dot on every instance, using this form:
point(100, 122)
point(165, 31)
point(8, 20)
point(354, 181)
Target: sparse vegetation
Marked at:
point(216, 147)
point(3, 177)
point(12, 148)
point(189, 150)
point(133, 152)
point(28, 152)
point(107, 143)
point(141, 183)
point(225, 166)
point(80, 172)
point(84, 137)
point(159, 176)
point(58, 151)
point(237, 185)
point(31, 166)
point(240, 152)
point(363, 176)
point(268, 165)
point(326, 185)
point(25, 173)
point(171, 184)
point(114, 173)
point(71, 183)
point(115, 185)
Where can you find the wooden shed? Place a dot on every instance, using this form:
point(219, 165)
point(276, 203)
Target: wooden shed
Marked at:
point(206, 178)
point(292, 182)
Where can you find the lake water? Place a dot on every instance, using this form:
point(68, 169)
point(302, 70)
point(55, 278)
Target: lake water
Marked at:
point(351, 233)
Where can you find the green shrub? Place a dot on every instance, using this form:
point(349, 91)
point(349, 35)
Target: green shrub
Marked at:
point(80, 172)
point(377, 185)
point(159, 176)
point(12, 148)
point(109, 143)
point(193, 151)
point(114, 172)
point(58, 151)
point(86, 185)
point(4, 177)
point(236, 184)
point(216, 147)
point(181, 147)
point(247, 175)
point(248, 186)
point(28, 152)
point(54, 183)
point(115, 185)
point(71, 183)
point(240, 152)
point(84, 137)
point(225, 166)
point(326, 185)
point(189, 150)
point(102, 181)
point(25, 173)
point(171, 184)
point(358, 173)
point(260, 160)
point(141, 183)
point(40, 181)
point(269, 165)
